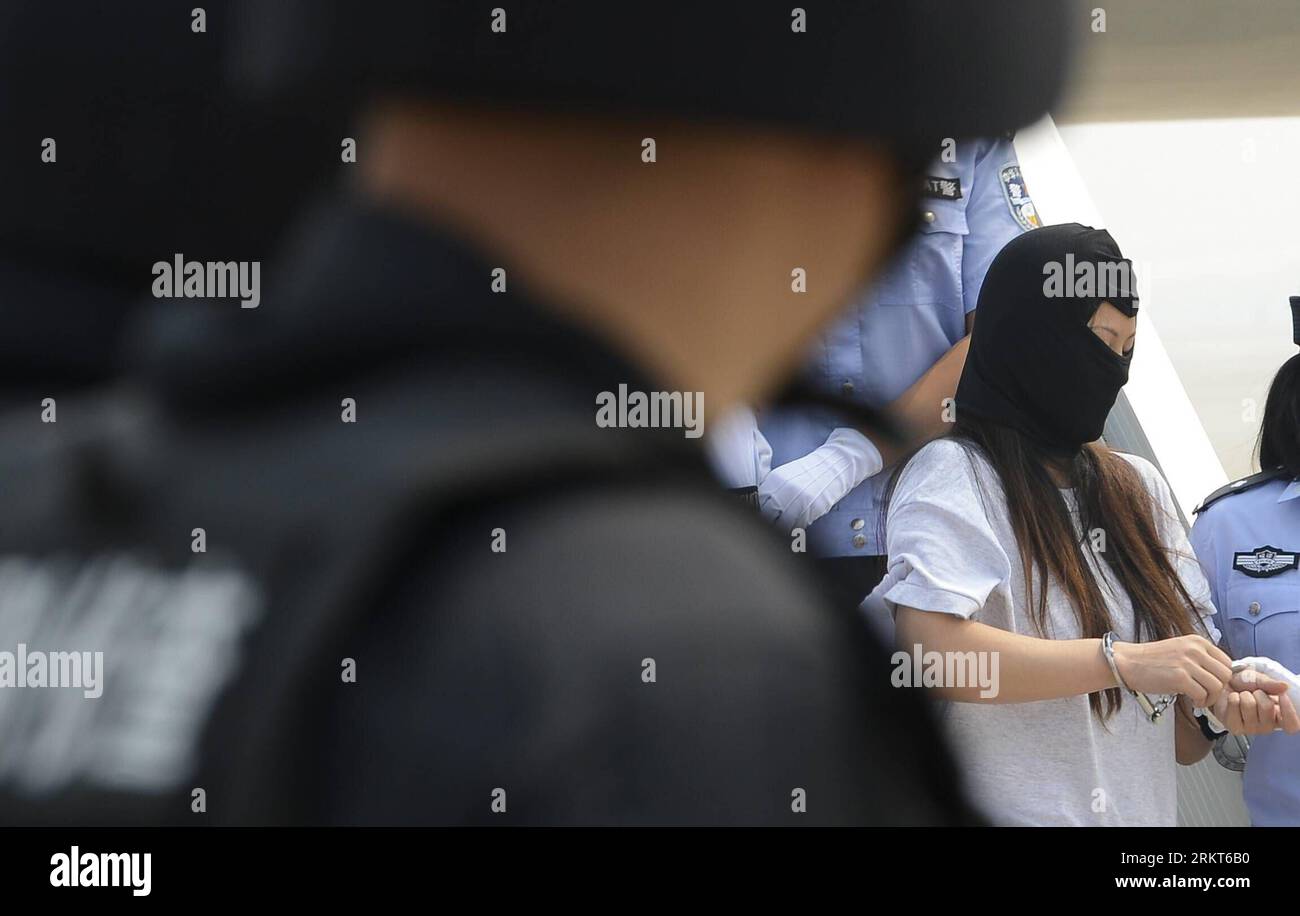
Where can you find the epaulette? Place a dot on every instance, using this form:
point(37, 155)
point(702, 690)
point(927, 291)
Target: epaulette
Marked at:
point(1240, 486)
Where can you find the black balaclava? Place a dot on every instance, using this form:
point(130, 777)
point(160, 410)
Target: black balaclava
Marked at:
point(1034, 365)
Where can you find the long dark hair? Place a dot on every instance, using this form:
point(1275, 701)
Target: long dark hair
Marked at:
point(1111, 498)
point(1278, 445)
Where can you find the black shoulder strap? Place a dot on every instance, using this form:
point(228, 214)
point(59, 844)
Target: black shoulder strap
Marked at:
point(1240, 486)
point(263, 780)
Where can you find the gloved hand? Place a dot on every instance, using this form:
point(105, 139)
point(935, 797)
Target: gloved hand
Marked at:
point(1262, 698)
point(798, 493)
point(1275, 670)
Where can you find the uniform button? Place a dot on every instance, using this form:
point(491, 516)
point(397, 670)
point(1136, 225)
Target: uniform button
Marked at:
point(928, 216)
point(846, 386)
point(857, 524)
point(1254, 608)
point(859, 541)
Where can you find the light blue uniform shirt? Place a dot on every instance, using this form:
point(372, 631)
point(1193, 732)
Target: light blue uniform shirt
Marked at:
point(913, 315)
point(1248, 544)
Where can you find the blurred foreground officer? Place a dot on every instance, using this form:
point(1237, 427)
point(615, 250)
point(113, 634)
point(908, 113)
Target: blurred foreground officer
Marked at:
point(1247, 537)
point(902, 345)
point(376, 541)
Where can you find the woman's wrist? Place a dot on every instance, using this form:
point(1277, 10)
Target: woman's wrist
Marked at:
point(1102, 674)
point(1126, 660)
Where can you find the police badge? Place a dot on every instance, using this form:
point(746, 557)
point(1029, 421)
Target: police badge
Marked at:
point(1265, 561)
point(1018, 200)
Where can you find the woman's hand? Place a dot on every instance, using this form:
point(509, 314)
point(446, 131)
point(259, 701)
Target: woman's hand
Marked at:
point(1255, 704)
point(1189, 665)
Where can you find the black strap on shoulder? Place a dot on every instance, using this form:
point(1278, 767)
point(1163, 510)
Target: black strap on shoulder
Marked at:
point(1240, 486)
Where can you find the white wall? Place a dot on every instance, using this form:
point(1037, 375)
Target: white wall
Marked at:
point(1211, 210)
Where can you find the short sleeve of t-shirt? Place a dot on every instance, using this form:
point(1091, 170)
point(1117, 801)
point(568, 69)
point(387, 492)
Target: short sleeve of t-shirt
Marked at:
point(943, 553)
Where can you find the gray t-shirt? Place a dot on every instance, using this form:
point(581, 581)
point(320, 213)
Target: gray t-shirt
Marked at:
point(951, 550)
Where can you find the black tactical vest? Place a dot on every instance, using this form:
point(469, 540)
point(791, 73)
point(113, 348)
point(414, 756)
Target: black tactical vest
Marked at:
point(213, 643)
point(217, 645)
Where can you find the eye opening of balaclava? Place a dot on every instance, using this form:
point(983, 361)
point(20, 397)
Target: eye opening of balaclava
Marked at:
point(1034, 365)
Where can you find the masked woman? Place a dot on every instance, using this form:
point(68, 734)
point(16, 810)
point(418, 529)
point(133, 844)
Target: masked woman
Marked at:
point(1022, 549)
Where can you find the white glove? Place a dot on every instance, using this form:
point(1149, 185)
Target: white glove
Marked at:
point(1275, 670)
point(1269, 668)
point(798, 493)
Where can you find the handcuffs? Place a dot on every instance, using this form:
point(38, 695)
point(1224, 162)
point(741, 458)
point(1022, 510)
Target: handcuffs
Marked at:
point(1153, 709)
point(1229, 750)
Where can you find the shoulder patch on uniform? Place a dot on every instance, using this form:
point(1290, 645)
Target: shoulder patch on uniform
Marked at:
point(1018, 199)
point(942, 188)
point(1239, 486)
point(1265, 561)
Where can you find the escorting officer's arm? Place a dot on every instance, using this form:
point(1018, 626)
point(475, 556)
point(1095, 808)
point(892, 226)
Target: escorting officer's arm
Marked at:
point(739, 454)
point(920, 409)
point(797, 493)
point(801, 491)
point(999, 209)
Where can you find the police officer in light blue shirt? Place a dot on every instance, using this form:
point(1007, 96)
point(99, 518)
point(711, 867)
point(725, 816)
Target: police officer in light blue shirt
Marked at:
point(1247, 538)
point(901, 345)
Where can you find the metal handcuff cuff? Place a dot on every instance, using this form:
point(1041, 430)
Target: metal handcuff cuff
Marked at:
point(1230, 758)
point(1153, 710)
